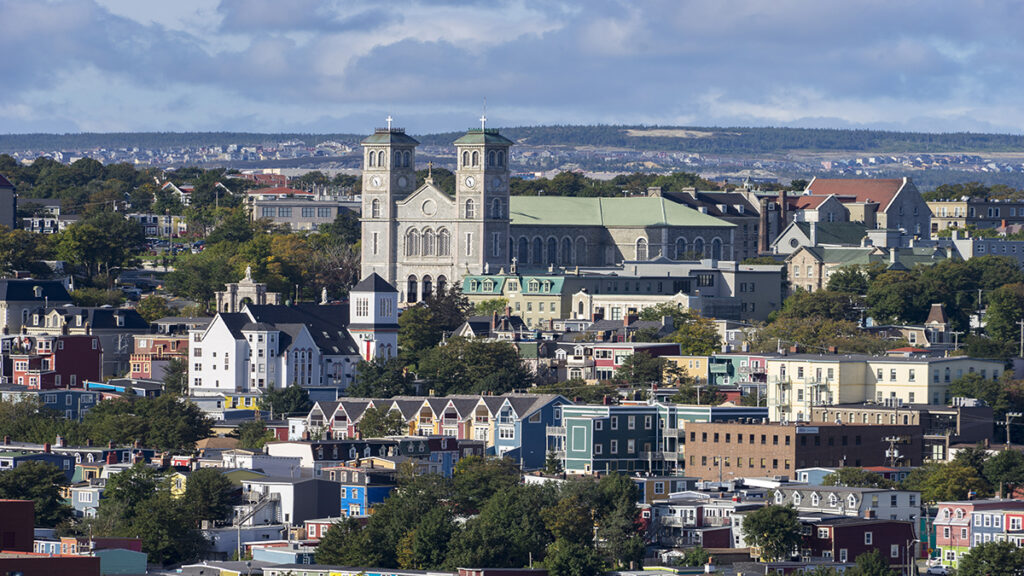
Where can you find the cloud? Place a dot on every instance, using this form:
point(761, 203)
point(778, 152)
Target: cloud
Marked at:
point(335, 65)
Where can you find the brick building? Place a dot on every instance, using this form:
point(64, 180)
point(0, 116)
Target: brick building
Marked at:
point(152, 354)
point(48, 362)
point(725, 450)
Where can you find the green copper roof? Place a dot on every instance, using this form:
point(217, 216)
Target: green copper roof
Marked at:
point(485, 136)
point(390, 136)
point(622, 212)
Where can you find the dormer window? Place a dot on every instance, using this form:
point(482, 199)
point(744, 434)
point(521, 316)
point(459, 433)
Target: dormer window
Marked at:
point(488, 285)
point(120, 319)
point(534, 286)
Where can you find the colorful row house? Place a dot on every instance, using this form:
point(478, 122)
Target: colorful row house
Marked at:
point(960, 526)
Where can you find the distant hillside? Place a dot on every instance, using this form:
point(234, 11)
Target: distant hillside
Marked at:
point(680, 139)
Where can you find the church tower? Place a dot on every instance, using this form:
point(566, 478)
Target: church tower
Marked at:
point(389, 175)
point(481, 195)
point(373, 318)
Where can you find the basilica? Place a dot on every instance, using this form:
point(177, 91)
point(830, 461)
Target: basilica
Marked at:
point(423, 239)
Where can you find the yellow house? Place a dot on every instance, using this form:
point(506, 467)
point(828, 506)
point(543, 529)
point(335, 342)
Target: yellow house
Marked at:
point(696, 367)
point(798, 382)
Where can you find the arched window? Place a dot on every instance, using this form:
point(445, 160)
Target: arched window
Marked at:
point(538, 251)
point(716, 248)
point(552, 251)
point(412, 243)
point(581, 250)
point(470, 208)
point(405, 158)
point(501, 158)
point(398, 159)
point(381, 162)
point(428, 286)
point(496, 208)
point(429, 243)
point(411, 290)
point(444, 243)
point(641, 249)
point(698, 248)
point(579, 310)
point(490, 158)
point(442, 284)
point(375, 208)
point(371, 160)
point(566, 251)
point(523, 253)
point(465, 159)
point(476, 158)
point(680, 248)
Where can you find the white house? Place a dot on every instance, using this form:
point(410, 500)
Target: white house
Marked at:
point(270, 347)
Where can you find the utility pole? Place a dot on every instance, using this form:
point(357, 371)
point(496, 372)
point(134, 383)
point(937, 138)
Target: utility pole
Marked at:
point(892, 453)
point(1021, 324)
point(956, 339)
point(1009, 419)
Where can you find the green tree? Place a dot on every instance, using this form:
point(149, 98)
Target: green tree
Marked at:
point(695, 557)
point(40, 482)
point(167, 530)
point(941, 482)
point(552, 463)
point(1005, 469)
point(464, 366)
point(896, 296)
point(854, 477)
point(849, 279)
point(291, 400)
point(96, 297)
point(153, 308)
point(871, 564)
point(200, 276)
point(19, 249)
point(343, 545)
point(166, 422)
point(697, 336)
point(101, 243)
point(426, 545)
point(418, 332)
point(345, 229)
point(448, 307)
point(821, 304)
point(209, 495)
point(992, 559)
point(130, 489)
point(1005, 309)
point(578, 390)
point(379, 422)
point(176, 377)
point(973, 385)
point(773, 529)
point(381, 378)
point(641, 369)
point(817, 335)
point(508, 529)
point(253, 434)
point(491, 306)
point(477, 478)
point(566, 558)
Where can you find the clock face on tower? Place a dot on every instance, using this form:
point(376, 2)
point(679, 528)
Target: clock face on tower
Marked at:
point(375, 181)
point(402, 182)
point(470, 181)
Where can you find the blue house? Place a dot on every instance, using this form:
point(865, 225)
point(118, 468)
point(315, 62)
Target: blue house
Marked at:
point(362, 488)
point(520, 425)
point(64, 462)
point(72, 403)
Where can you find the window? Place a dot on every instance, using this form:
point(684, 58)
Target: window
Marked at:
point(631, 423)
point(322, 212)
point(868, 538)
point(641, 249)
point(630, 446)
point(284, 212)
point(598, 449)
point(308, 212)
point(647, 422)
point(894, 550)
point(614, 419)
point(614, 447)
point(470, 209)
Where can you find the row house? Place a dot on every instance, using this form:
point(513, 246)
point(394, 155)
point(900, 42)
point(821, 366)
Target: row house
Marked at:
point(975, 212)
point(20, 297)
point(72, 403)
point(46, 362)
point(510, 425)
point(437, 454)
point(595, 361)
point(363, 485)
point(729, 450)
point(271, 347)
point(959, 526)
point(843, 539)
point(965, 421)
point(689, 521)
point(115, 328)
point(152, 354)
point(797, 383)
point(634, 437)
point(881, 503)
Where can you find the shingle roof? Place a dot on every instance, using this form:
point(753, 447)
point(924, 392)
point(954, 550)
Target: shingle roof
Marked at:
point(326, 324)
point(608, 212)
point(23, 290)
point(483, 136)
point(880, 190)
point(836, 233)
point(374, 283)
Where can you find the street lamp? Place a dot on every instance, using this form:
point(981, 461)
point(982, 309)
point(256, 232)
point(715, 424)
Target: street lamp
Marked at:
point(911, 560)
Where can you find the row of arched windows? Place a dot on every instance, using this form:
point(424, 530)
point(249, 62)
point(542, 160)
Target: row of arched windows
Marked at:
point(684, 250)
point(417, 289)
point(379, 159)
point(494, 158)
point(428, 242)
point(564, 252)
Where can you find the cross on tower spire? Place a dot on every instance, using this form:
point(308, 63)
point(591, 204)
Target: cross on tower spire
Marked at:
point(483, 117)
point(388, 120)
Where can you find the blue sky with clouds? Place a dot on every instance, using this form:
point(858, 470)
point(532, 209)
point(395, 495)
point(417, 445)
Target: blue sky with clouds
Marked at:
point(341, 66)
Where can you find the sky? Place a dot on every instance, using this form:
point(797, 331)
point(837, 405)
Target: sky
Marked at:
point(344, 65)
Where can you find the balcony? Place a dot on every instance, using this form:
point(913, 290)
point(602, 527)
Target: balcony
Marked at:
point(717, 521)
point(555, 430)
point(677, 521)
point(651, 455)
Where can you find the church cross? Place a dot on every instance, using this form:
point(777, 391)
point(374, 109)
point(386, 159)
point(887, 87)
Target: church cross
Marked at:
point(388, 119)
point(483, 122)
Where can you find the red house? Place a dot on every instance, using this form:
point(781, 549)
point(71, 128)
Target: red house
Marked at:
point(152, 354)
point(609, 356)
point(63, 361)
point(843, 539)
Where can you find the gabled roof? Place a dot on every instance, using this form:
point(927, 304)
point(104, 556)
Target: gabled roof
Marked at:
point(326, 324)
point(609, 212)
point(100, 318)
point(805, 202)
point(717, 204)
point(374, 283)
point(880, 190)
point(835, 233)
point(483, 136)
point(5, 183)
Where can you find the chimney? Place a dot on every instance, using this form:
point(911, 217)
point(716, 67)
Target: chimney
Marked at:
point(59, 441)
point(7, 440)
point(794, 349)
point(111, 458)
point(892, 255)
point(110, 445)
point(762, 230)
point(654, 191)
point(782, 209)
point(814, 233)
point(494, 320)
point(46, 447)
point(88, 442)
